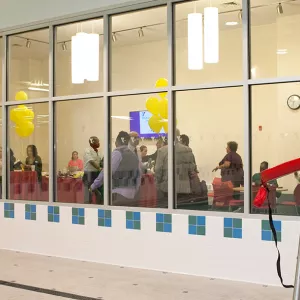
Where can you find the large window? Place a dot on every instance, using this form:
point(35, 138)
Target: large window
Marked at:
point(29, 65)
point(139, 49)
point(77, 162)
point(28, 159)
point(76, 83)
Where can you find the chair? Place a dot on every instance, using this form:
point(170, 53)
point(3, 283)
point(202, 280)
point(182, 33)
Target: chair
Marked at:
point(223, 195)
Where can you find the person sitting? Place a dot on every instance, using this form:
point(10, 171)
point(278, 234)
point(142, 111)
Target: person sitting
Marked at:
point(256, 178)
point(75, 164)
point(126, 173)
point(33, 161)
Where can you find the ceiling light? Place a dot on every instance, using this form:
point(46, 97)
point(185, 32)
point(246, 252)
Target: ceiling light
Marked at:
point(38, 89)
point(141, 32)
point(280, 9)
point(28, 44)
point(78, 57)
point(231, 23)
point(195, 42)
point(211, 35)
point(114, 37)
point(240, 15)
point(64, 46)
point(92, 57)
point(282, 51)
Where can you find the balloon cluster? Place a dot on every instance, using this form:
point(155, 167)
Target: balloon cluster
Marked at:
point(22, 117)
point(158, 108)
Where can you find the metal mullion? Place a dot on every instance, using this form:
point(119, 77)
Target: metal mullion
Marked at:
point(52, 167)
point(78, 97)
point(207, 86)
point(171, 140)
point(247, 107)
point(38, 100)
point(136, 92)
point(264, 81)
point(106, 83)
point(4, 117)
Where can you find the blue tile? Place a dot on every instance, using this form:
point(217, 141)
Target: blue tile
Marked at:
point(6, 206)
point(129, 224)
point(81, 212)
point(101, 213)
point(167, 227)
point(237, 233)
point(12, 214)
point(266, 235)
point(27, 215)
point(159, 218)
point(75, 220)
point(201, 221)
point(193, 229)
point(277, 225)
point(33, 208)
point(107, 223)
point(228, 222)
point(137, 216)
point(50, 209)
point(56, 218)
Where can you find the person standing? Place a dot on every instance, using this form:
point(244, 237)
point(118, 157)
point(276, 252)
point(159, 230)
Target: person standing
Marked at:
point(126, 173)
point(91, 161)
point(33, 161)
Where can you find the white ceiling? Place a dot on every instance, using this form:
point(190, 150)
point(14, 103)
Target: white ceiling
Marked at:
point(153, 22)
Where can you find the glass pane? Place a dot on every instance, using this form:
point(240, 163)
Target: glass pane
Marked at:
point(134, 159)
point(210, 149)
point(139, 49)
point(67, 71)
point(1, 55)
point(229, 65)
point(29, 65)
point(77, 163)
point(276, 55)
point(275, 139)
point(28, 162)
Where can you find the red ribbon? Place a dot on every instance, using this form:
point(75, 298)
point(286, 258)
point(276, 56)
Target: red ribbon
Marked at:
point(274, 173)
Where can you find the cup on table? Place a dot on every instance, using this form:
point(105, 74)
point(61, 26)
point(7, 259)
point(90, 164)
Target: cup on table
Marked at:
point(33, 168)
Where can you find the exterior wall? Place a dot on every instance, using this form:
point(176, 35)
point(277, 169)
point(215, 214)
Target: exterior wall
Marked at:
point(245, 257)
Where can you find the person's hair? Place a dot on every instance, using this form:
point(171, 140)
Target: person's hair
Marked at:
point(123, 138)
point(92, 139)
point(142, 148)
point(233, 146)
point(264, 165)
point(74, 153)
point(34, 150)
point(184, 139)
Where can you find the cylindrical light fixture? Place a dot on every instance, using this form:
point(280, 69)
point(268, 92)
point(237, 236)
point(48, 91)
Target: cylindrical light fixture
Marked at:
point(78, 57)
point(64, 46)
point(141, 32)
point(28, 44)
point(195, 41)
point(114, 37)
point(211, 35)
point(279, 9)
point(92, 57)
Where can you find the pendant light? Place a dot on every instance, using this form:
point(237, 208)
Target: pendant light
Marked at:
point(92, 57)
point(78, 55)
point(195, 41)
point(211, 35)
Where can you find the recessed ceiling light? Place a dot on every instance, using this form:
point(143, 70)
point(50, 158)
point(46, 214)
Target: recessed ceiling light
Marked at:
point(282, 51)
point(231, 23)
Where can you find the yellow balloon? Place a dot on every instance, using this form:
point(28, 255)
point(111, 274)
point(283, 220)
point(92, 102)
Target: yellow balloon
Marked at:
point(21, 96)
point(25, 129)
point(160, 83)
point(155, 123)
point(152, 105)
point(165, 126)
point(163, 108)
point(29, 115)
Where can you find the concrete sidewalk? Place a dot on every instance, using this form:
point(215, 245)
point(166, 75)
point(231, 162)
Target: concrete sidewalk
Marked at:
point(117, 283)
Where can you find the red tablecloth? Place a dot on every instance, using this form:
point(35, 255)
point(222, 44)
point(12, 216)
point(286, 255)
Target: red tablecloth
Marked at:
point(24, 186)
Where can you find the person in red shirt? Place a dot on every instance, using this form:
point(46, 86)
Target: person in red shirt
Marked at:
point(75, 164)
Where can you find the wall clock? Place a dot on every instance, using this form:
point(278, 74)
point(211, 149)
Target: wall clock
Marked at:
point(293, 102)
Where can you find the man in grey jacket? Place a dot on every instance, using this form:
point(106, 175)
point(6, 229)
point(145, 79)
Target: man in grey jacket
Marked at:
point(184, 166)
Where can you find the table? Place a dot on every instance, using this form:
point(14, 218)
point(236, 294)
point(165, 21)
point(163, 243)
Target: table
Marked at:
point(25, 186)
